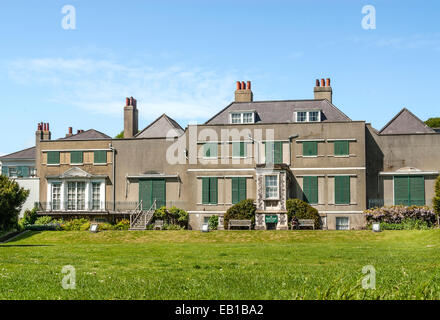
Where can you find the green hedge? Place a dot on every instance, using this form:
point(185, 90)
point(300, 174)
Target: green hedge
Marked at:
point(244, 210)
point(298, 209)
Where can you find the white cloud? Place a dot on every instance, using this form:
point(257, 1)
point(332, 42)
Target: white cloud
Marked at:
point(101, 86)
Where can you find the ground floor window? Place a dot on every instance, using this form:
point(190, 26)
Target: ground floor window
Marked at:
point(209, 190)
point(56, 196)
point(76, 195)
point(342, 223)
point(96, 196)
point(409, 190)
point(238, 189)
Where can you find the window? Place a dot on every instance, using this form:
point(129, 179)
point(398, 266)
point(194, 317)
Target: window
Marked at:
point(310, 148)
point(76, 195)
point(209, 190)
point(100, 156)
point(238, 149)
point(13, 172)
point(238, 189)
point(314, 116)
point(341, 148)
point(53, 157)
point(96, 195)
point(301, 116)
point(310, 189)
point(271, 184)
point(342, 223)
point(274, 152)
point(409, 190)
point(210, 150)
point(342, 190)
point(56, 196)
point(242, 117)
point(76, 157)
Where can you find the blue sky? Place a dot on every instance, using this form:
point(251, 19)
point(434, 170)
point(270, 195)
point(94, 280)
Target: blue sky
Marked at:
point(183, 58)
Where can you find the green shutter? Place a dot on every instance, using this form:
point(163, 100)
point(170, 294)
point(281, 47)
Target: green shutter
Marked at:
point(145, 188)
point(205, 190)
point(341, 148)
point(210, 150)
point(417, 190)
point(159, 192)
point(24, 172)
point(213, 196)
point(100, 156)
point(238, 149)
point(401, 190)
point(278, 152)
point(269, 145)
point(310, 189)
point(310, 148)
point(241, 189)
point(5, 171)
point(53, 157)
point(342, 190)
point(76, 157)
point(235, 190)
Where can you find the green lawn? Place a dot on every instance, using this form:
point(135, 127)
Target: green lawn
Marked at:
point(222, 265)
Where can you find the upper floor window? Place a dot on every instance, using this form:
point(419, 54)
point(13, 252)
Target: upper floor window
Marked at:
point(210, 150)
point(271, 184)
point(53, 157)
point(242, 117)
point(308, 116)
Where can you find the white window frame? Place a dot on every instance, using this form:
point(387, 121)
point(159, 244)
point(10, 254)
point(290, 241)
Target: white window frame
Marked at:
point(241, 113)
point(210, 156)
point(307, 115)
point(60, 199)
point(277, 186)
point(336, 223)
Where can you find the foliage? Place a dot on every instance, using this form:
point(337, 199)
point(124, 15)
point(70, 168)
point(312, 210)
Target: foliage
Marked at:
point(397, 214)
point(75, 224)
point(405, 224)
point(436, 200)
point(172, 216)
point(105, 226)
point(12, 198)
point(213, 222)
point(167, 226)
point(433, 122)
point(123, 224)
point(298, 209)
point(29, 217)
point(44, 227)
point(43, 220)
point(120, 135)
point(244, 210)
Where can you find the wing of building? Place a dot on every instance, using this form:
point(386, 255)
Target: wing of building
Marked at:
point(268, 151)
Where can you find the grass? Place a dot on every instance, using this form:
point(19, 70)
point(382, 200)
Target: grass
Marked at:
point(222, 265)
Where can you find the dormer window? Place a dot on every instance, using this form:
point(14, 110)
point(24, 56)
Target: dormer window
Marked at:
point(308, 116)
point(242, 117)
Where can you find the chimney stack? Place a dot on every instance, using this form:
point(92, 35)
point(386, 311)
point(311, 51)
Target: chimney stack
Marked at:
point(244, 92)
point(323, 91)
point(130, 118)
point(42, 133)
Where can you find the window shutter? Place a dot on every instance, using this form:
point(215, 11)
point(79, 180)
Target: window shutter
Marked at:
point(25, 172)
point(341, 148)
point(205, 190)
point(76, 157)
point(5, 171)
point(269, 151)
point(241, 189)
point(242, 149)
point(100, 156)
point(342, 190)
point(145, 189)
point(159, 192)
point(310, 188)
point(417, 190)
point(310, 148)
point(401, 190)
point(238, 149)
point(53, 157)
point(213, 196)
point(235, 190)
point(278, 152)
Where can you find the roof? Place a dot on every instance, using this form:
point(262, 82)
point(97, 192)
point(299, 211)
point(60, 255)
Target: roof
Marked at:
point(162, 127)
point(90, 134)
point(280, 111)
point(25, 154)
point(405, 122)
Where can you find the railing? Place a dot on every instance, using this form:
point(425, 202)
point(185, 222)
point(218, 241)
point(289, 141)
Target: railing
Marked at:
point(136, 214)
point(139, 219)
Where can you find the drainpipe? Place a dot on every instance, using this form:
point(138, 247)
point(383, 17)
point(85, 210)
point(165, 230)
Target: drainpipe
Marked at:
point(113, 176)
point(294, 136)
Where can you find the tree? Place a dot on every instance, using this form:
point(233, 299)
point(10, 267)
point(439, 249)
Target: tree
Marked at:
point(244, 210)
point(299, 209)
point(436, 200)
point(12, 198)
point(433, 122)
point(120, 135)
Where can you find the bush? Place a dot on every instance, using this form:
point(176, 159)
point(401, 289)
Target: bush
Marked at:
point(399, 214)
point(167, 226)
point(43, 220)
point(172, 216)
point(244, 210)
point(436, 200)
point(213, 222)
point(124, 224)
point(44, 227)
point(12, 198)
point(75, 224)
point(298, 209)
point(29, 217)
point(406, 224)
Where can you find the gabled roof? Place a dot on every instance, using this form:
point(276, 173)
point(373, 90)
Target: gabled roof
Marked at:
point(405, 122)
point(162, 127)
point(26, 154)
point(280, 111)
point(90, 134)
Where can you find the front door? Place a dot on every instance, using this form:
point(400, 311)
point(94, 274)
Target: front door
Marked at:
point(150, 190)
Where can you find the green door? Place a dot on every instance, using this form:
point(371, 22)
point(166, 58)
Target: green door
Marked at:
point(150, 190)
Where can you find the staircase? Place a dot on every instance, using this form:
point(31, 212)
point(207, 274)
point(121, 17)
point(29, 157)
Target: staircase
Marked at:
point(139, 219)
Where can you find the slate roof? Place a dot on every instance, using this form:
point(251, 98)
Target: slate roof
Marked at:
point(90, 134)
point(25, 154)
point(405, 122)
point(160, 128)
point(280, 111)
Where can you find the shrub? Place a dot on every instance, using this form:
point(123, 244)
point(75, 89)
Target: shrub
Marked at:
point(436, 200)
point(298, 209)
point(399, 214)
point(74, 224)
point(12, 198)
point(244, 210)
point(105, 226)
point(124, 224)
point(29, 217)
point(172, 216)
point(43, 220)
point(406, 224)
point(213, 222)
point(44, 227)
point(167, 226)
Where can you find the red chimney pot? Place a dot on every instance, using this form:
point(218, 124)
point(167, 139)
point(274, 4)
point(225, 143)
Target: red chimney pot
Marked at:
point(243, 85)
point(317, 82)
point(322, 83)
point(238, 85)
point(249, 85)
point(328, 82)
